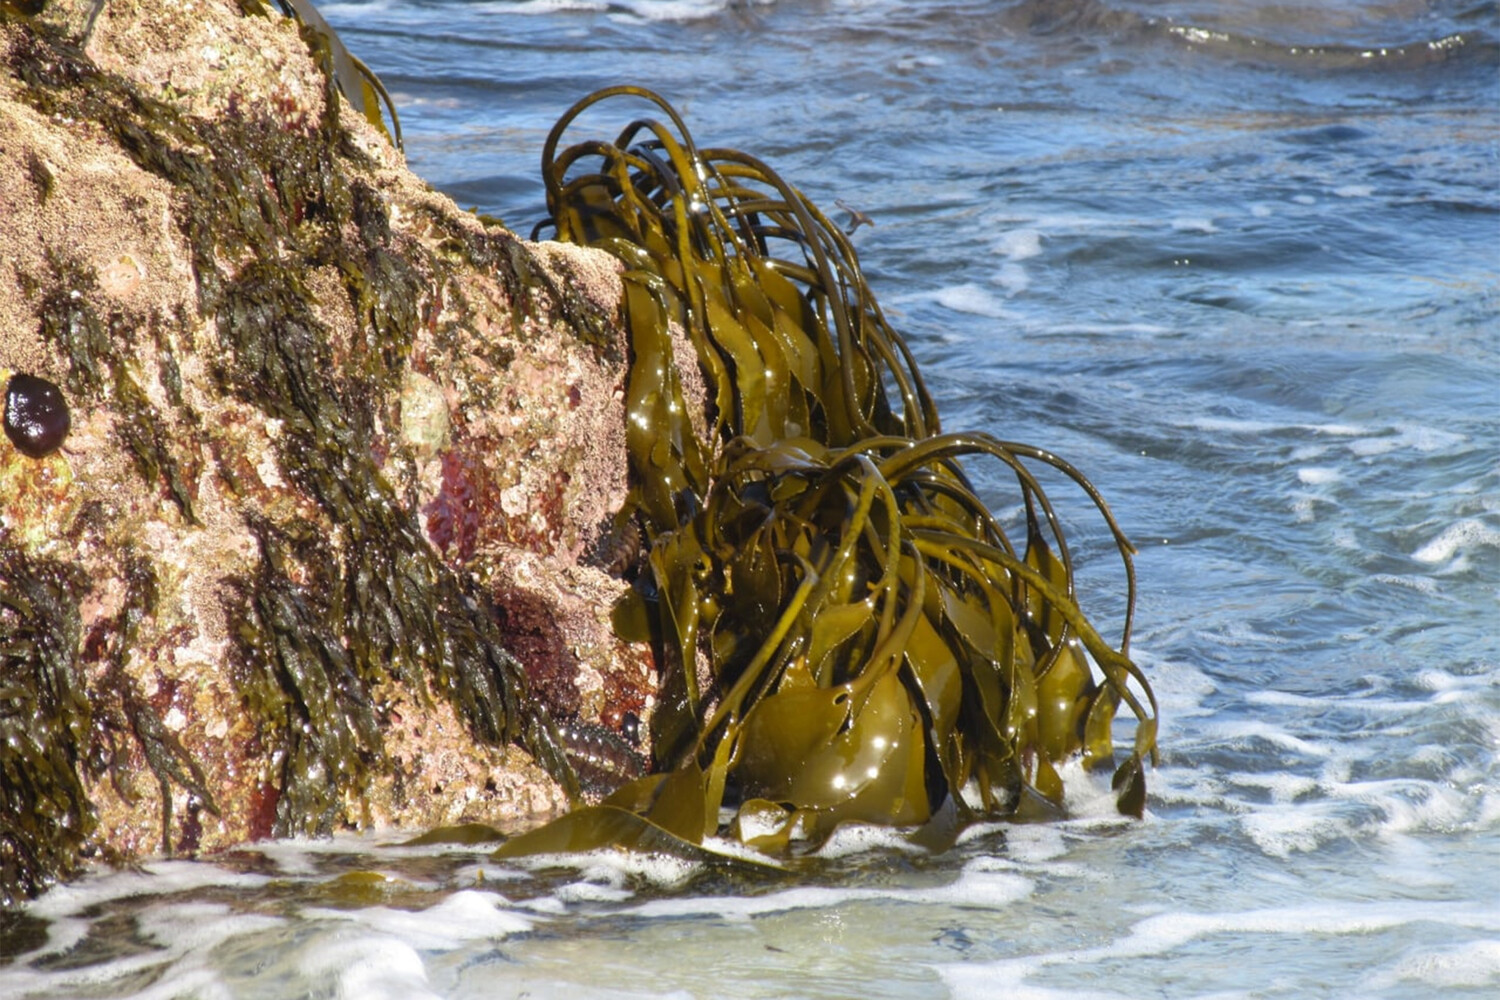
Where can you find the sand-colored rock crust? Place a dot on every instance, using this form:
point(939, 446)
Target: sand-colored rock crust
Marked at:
point(336, 447)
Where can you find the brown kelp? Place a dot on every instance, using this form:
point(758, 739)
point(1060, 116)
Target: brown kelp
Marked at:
point(845, 631)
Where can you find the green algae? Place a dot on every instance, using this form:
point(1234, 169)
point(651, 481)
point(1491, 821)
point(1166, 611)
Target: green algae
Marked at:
point(845, 631)
point(45, 719)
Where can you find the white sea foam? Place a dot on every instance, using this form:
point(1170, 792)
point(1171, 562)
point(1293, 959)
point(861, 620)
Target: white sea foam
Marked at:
point(1473, 964)
point(1421, 584)
point(1019, 244)
point(1098, 225)
point(975, 886)
point(641, 10)
point(365, 967)
point(152, 878)
point(1461, 537)
point(1326, 811)
point(1281, 831)
point(1089, 798)
point(1403, 436)
point(459, 917)
point(182, 936)
point(1242, 731)
point(1365, 701)
point(1231, 425)
point(1094, 330)
point(1164, 933)
point(969, 298)
point(1282, 787)
point(610, 867)
point(905, 64)
point(858, 838)
point(1194, 224)
point(1324, 797)
point(1318, 476)
point(1180, 687)
point(591, 892)
point(63, 905)
point(1034, 843)
point(1013, 278)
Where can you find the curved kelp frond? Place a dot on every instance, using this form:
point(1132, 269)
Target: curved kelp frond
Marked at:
point(846, 632)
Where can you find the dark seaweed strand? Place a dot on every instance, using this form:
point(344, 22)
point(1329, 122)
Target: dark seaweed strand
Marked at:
point(383, 591)
point(45, 720)
point(70, 322)
point(169, 762)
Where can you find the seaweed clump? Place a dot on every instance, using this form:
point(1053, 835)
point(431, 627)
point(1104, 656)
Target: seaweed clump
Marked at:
point(45, 716)
point(845, 631)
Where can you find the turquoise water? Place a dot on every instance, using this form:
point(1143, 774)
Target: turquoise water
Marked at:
point(1237, 261)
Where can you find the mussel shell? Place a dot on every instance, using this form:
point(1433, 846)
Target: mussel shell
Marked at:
point(36, 415)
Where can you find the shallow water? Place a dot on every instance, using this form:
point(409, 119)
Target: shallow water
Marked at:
point(1237, 261)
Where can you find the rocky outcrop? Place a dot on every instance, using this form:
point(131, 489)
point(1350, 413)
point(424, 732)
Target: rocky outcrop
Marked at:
point(314, 554)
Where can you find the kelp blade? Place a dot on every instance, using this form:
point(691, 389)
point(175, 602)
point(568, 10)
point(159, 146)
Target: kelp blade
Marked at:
point(846, 632)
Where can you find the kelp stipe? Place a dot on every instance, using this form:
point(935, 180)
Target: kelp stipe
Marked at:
point(845, 631)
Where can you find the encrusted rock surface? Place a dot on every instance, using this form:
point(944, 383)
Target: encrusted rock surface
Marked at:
point(338, 450)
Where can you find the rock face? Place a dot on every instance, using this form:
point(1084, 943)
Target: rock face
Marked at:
point(338, 451)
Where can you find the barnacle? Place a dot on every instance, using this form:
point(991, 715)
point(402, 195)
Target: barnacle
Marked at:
point(846, 632)
point(36, 415)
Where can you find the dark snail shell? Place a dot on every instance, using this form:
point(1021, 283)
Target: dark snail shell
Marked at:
point(36, 415)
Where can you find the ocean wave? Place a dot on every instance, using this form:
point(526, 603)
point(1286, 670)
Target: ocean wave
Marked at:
point(1470, 47)
point(1458, 540)
point(1307, 38)
point(1165, 933)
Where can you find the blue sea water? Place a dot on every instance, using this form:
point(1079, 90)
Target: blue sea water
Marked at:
point(1239, 262)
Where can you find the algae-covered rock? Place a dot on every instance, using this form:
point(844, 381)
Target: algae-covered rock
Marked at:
point(336, 452)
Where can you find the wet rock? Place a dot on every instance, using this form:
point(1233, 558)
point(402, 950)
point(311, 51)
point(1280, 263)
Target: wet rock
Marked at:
point(311, 557)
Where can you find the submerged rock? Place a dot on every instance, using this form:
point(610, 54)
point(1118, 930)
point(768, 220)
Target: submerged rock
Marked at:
point(312, 556)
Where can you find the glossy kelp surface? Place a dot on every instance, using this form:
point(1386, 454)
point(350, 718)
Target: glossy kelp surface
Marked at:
point(845, 630)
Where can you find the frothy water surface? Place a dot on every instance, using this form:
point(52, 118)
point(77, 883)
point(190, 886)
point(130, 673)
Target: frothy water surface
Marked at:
point(1237, 261)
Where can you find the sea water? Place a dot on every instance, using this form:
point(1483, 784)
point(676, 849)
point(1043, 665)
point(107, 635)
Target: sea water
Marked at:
point(1237, 261)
